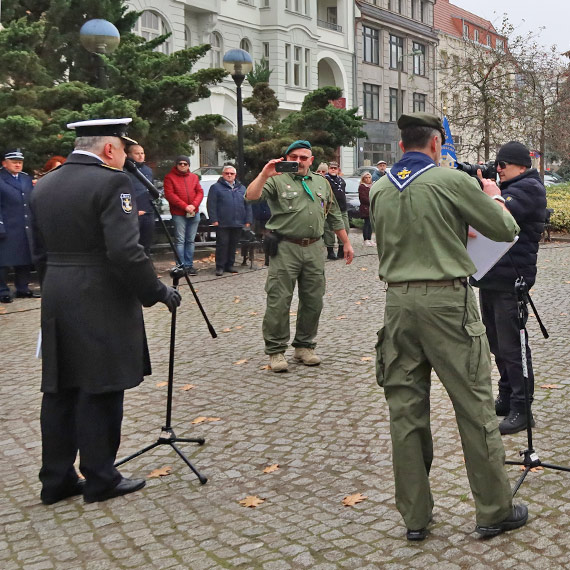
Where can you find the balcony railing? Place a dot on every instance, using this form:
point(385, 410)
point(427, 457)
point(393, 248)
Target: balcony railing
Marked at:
point(329, 25)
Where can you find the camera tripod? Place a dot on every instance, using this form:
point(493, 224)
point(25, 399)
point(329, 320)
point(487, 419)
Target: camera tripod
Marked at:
point(167, 436)
point(530, 457)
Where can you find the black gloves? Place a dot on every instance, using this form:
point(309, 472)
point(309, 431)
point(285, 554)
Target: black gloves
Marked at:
point(172, 298)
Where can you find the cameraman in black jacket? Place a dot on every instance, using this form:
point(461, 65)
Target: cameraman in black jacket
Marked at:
point(525, 198)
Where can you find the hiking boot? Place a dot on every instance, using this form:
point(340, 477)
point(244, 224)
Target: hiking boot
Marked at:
point(307, 356)
point(502, 405)
point(514, 422)
point(278, 363)
point(340, 252)
point(417, 535)
point(517, 518)
point(330, 253)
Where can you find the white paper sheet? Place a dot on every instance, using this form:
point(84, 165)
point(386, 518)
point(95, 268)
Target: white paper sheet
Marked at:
point(485, 252)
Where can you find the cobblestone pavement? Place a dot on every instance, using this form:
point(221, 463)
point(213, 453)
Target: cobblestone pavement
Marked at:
point(326, 427)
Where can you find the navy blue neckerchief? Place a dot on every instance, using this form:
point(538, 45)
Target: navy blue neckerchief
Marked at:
point(408, 168)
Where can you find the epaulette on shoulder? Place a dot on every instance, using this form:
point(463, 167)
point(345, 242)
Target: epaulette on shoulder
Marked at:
point(110, 167)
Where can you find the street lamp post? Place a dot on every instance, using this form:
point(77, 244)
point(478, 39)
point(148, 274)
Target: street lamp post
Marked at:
point(238, 63)
point(100, 37)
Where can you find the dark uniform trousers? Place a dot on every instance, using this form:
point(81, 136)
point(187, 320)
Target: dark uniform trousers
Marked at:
point(429, 328)
point(22, 278)
point(146, 227)
point(73, 420)
point(226, 243)
point(500, 316)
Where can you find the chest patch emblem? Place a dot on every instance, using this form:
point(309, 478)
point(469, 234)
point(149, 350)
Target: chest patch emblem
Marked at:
point(404, 173)
point(126, 203)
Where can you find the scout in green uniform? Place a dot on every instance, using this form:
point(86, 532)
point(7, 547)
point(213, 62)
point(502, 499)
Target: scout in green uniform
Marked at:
point(421, 215)
point(299, 205)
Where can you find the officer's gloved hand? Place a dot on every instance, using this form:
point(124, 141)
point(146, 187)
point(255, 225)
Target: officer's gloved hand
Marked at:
point(172, 298)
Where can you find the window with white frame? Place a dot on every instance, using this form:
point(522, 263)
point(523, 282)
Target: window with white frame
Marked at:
point(419, 56)
point(216, 49)
point(265, 52)
point(187, 37)
point(476, 36)
point(307, 68)
point(396, 6)
point(371, 40)
point(393, 100)
point(500, 45)
point(371, 100)
point(149, 26)
point(465, 30)
point(424, 12)
point(297, 66)
point(245, 45)
point(299, 6)
point(489, 40)
point(419, 102)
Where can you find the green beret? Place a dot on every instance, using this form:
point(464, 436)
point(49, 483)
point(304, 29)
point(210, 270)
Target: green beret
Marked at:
point(422, 120)
point(298, 144)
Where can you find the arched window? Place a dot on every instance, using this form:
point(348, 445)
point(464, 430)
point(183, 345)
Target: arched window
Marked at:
point(149, 26)
point(216, 51)
point(245, 44)
point(187, 37)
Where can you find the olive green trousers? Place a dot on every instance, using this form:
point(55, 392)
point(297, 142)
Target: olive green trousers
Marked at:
point(304, 266)
point(440, 328)
point(330, 236)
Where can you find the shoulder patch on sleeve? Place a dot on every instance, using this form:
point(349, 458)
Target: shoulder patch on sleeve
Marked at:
point(126, 203)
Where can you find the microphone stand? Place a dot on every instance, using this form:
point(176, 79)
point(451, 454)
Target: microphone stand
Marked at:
point(168, 437)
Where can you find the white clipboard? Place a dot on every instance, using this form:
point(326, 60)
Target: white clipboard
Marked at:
point(485, 253)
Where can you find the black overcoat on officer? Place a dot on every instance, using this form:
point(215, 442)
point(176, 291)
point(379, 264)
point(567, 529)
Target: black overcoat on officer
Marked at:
point(15, 218)
point(95, 276)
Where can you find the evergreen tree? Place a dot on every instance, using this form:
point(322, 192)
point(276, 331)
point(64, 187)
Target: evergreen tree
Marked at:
point(48, 79)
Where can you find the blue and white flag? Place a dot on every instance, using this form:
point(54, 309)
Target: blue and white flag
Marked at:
point(448, 156)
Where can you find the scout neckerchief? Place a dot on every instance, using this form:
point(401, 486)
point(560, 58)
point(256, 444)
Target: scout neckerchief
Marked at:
point(307, 189)
point(408, 168)
point(335, 182)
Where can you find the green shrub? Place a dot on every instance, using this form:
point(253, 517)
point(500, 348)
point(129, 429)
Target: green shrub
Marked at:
point(558, 198)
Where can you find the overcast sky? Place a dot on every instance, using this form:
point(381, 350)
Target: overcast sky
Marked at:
point(527, 15)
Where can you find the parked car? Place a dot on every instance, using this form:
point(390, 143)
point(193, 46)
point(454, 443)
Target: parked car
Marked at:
point(352, 199)
point(208, 172)
point(550, 179)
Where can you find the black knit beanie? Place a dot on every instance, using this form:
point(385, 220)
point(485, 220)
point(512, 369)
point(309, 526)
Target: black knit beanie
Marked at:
point(182, 158)
point(515, 153)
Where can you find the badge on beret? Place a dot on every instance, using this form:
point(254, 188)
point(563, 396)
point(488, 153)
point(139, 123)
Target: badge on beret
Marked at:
point(126, 203)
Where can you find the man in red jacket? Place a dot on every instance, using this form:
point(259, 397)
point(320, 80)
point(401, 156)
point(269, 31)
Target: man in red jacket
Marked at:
point(183, 191)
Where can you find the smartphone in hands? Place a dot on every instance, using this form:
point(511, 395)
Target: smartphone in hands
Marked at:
point(287, 166)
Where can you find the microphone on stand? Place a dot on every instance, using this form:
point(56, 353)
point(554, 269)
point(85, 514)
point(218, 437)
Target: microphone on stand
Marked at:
point(131, 166)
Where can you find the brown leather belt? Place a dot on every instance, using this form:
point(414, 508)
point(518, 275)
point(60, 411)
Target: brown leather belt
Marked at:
point(303, 242)
point(430, 283)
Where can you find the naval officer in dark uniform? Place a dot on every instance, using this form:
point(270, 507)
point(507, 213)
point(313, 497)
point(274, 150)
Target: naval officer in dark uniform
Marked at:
point(95, 279)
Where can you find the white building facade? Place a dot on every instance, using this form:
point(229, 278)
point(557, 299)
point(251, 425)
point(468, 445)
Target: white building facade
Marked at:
point(308, 44)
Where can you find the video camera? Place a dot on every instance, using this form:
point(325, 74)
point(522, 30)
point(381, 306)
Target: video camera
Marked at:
point(488, 170)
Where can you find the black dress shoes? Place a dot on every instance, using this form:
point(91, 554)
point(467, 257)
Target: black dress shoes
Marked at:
point(27, 295)
point(124, 487)
point(517, 518)
point(65, 493)
point(6, 299)
point(417, 535)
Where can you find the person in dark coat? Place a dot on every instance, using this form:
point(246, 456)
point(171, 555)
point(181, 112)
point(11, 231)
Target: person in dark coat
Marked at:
point(143, 199)
point(95, 276)
point(15, 226)
point(364, 208)
point(524, 196)
point(229, 213)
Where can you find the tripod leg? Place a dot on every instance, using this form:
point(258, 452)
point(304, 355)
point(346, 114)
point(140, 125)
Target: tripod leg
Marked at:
point(199, 440)
point(201, 477)
point(140, 452)
point(521, 479)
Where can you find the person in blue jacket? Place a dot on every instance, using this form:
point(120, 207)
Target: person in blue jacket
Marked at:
point(15, 226)
point(229, 213)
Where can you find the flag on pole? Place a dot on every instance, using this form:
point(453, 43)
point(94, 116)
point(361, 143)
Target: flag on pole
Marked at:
point(448, 156)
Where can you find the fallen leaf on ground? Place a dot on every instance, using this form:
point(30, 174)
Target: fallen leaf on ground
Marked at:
point(202, 419)
point(550, 386)
point(236, 299)
point(358, 302)
point(253, 313)
point(271, 468)
point(187, 387)
point(364, 269)
point(251, 501)
point(160, 472)
point(341, 317)
point(239, 327)
point(292, 313)
point(266, 367)
point(364, 298)
point(366, 358)
point(351, 500)
point(532, 469)
point(242, 361)
point(161, 384)
point(227, 330)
